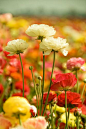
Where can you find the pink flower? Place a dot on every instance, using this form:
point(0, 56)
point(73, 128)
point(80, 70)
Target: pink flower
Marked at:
point(35, 123)
point(63, 81)
point(75, 63)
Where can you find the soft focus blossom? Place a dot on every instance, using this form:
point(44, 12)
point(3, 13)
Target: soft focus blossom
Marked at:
point(4, 123)
point(17, 105)
point(56, 44)
point(1, 89)
point(18, 127)
point(71, 120)
point(58, 108)
point(35, 123)
point(75, 63)
point(16, 46)
point(73, 99)
point(51, 97)
point(41, 30)
point(63, 81)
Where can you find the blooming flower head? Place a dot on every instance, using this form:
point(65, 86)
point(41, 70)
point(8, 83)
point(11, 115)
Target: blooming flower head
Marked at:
point(63, 81)
point(71, 120)
point(41, 30)
point(75, 63)
point(16, 46)
point(73, 99)
point(15, 106)
point(35, 123)
point(56, 44)
point(50, 98)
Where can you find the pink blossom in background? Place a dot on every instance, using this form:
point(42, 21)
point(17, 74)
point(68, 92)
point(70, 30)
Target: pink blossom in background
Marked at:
point(75, 63)
point(36, 123)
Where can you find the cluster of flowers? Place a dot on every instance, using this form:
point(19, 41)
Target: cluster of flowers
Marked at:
point(58, 107)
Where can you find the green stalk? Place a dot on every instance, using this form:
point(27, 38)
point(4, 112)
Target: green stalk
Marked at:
point(50, 84)
point(66, 110)
point(77, 122)
point(82, 91)
point(19, 119)
point(43, 79)
point(31, 68)
point(77, 82)
point(22, 72)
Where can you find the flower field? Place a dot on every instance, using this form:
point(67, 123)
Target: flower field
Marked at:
point(42, 72)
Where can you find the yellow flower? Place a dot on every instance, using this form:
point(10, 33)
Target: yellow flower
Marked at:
point(56, 44)
point(41, 30)
point(16, 46)
point(71, 121)
point(15, 106)
point(58, 109)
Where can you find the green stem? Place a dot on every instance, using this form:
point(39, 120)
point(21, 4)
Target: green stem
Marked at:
point(19, 119)
point(22, 72)
point(33, 77)
point(50, 84)
point(66, 110)
point(77, 118)
point(82, 91)
point(43, 79)
point(77, 82)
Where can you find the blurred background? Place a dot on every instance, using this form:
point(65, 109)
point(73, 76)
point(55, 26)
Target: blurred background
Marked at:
point(44, 7)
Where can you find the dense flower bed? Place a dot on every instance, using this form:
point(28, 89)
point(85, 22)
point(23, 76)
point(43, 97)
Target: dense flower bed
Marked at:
point(42, 73)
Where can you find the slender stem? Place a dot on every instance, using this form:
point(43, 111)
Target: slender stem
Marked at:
point(77, 118)
point(33, 78)
point(66, 110)
point(50, 84)
point(77, 82)
point(82, 91)
point(19, 119)
point(43, 79)
point(22, 72)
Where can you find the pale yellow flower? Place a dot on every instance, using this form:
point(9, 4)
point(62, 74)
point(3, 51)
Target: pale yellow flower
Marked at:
point(18, 127)
point(56, 44)
point(16, 46)
point(58, 108)
point(17, 105)
point(71, 120)
point(41, 30)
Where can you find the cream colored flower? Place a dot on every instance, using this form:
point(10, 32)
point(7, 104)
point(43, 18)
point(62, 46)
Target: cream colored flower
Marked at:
point(16, 46)
point(41, 30)
point(56, 44)
point(18, 127)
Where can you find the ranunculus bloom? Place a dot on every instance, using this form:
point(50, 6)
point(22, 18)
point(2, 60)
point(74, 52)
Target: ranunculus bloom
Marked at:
point(17, 105)
point(41, 30)
point(16, 46)
point(50, 98)
point(35, 123)
point(73, 99)
point(2, 62)
point(56, 44)
point(63, 81)
point(1, 89)
point(75, 63)
point(19, 86)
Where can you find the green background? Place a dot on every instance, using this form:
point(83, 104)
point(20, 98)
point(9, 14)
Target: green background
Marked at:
point(44, 7)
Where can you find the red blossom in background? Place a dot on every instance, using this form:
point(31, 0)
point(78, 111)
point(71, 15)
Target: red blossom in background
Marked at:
point(52, 97)
point(63, 81)
point(1, 89)
point(75, 63)
point(19, 86)
point(73, 99)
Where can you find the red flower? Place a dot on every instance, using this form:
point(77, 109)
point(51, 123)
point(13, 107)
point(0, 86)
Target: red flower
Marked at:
point(2, 62)
point(73, 99)
point(63, 81)
point(51, 97)
point(83, 108)
point(19, 86)
point(20, 94)
point(75, 63)
point(1, 89)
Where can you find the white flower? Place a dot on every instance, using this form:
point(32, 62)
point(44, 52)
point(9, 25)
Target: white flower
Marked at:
point(56, 44)
point(41, 30)
point(16, 46)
